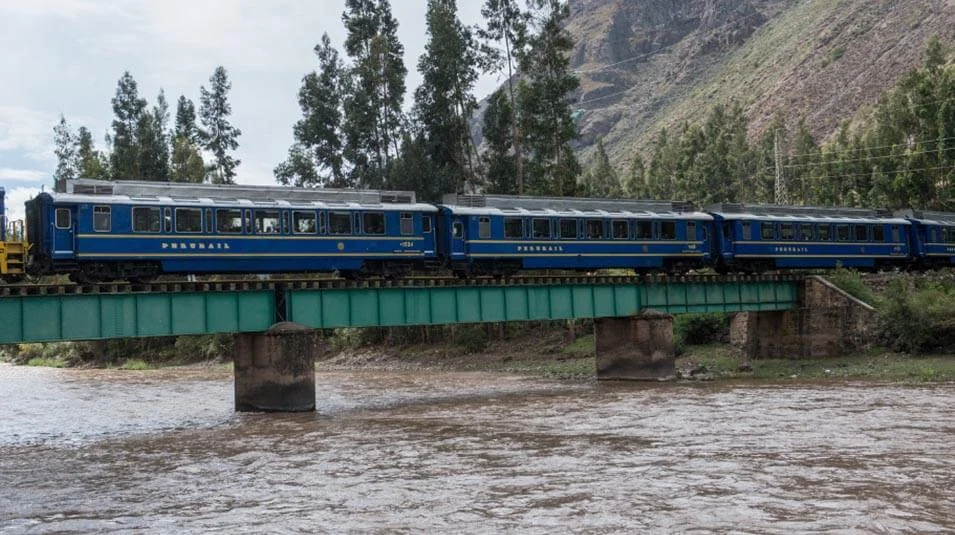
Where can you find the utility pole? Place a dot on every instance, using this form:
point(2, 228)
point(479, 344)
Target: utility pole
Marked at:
point(780, 186)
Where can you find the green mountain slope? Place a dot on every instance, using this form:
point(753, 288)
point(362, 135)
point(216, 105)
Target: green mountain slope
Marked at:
point(648, 64)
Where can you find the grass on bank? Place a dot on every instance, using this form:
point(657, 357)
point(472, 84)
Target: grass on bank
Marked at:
point(724, 361)
point(136, 364)
point(47, 362)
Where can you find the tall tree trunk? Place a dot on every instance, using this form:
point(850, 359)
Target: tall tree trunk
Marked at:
point(515, 130)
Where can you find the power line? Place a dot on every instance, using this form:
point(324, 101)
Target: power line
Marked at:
point(894, 172)
point(870, 158)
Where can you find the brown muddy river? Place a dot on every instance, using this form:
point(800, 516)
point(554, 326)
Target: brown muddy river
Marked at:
point(163, 452)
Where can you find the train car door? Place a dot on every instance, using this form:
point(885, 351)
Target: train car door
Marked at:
point(63, 230)
point(458, 247)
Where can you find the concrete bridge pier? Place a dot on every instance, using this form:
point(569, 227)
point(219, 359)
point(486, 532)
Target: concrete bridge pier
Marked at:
point(637, 348)
point(828, 323)
point(275, 370)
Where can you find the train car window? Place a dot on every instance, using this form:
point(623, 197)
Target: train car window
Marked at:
point(644, 230)
point(339, 223)
point(209, 220)
point(407, 224)
point(691, 230)
point(426, 224)
point(861, 232)
point(595, 229)
point(267, 222)
point(285, 229)
point(932, 234)
point(568, 229)
point(484, 227)
point(63, 219)
point(823, 232)
point(513, 227)
point(895, 233)
point(167, 220)
point(248, 221)
point(786, 231)
point(145, 219)
point(303, 222)
point(747, 231)
point(357, 223)
point(188, 220)
point(541, 228)
point(951, 235)
point(878, 233)
point(228, 221)
point(768, 231)
point(321, 223)
point(805, 231)
point(374, 223)
point(457, 230)
point(102, 218)
point(619, 229)
point(842, 232)
point(668, 230)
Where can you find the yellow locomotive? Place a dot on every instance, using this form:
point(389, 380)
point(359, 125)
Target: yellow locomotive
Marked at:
point(13, 246)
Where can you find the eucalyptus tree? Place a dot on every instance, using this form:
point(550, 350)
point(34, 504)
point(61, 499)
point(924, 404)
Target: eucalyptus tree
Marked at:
point(218, 136)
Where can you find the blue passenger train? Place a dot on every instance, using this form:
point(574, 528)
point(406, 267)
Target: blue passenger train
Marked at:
point(134, 230)
point(576, 234)
point(932, 238)
point(759, 237)
point(95, 236)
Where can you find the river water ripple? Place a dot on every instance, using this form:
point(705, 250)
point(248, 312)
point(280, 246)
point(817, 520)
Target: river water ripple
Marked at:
point(162, 451)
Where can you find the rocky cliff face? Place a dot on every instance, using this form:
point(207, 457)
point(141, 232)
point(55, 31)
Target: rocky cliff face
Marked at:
point(646, 64)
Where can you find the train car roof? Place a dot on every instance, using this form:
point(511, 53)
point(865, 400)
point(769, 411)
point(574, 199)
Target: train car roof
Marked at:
point(811, 218)
point(926, 217)
point(139, 188)
point(550, 212)
point(237, 203)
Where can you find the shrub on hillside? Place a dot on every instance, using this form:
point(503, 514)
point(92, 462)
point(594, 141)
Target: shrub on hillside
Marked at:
point(695, 329)
point(918, 318)
point(471, 338)
point(851, 282)
point(204, 347)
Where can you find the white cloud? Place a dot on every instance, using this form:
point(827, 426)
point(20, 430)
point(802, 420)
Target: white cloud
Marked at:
point(70, 9)
point(27, 131)
point(254, 173)
point(22, 175)
point(15, 200)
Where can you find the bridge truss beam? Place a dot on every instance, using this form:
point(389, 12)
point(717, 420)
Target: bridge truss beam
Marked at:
point(50, 318)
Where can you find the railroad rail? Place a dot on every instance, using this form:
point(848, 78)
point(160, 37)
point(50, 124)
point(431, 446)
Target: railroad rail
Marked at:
point(239, 285)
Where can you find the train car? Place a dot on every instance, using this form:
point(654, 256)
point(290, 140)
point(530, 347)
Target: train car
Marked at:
point(104, 234)
point(932, 238)
point(498, 235)
point(756, 238)
point(13, 245)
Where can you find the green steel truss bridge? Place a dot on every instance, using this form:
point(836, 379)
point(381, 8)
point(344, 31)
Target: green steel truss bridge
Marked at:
point(49, 313)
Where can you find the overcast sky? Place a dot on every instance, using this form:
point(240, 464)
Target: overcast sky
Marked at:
point(65, 56)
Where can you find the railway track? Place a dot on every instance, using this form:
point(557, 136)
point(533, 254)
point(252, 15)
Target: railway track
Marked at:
point(232, 285)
